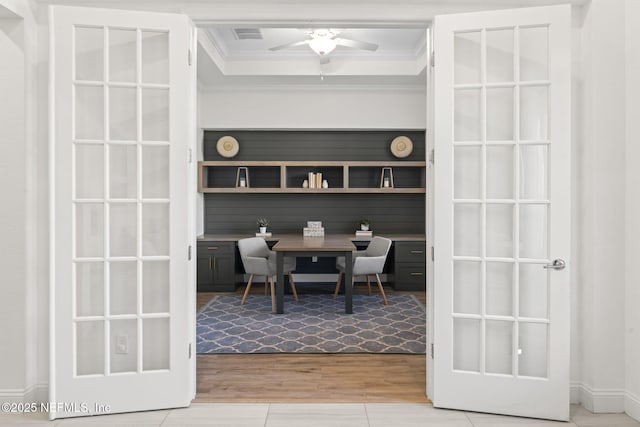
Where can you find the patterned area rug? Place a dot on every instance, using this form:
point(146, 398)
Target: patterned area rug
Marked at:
point(317, 324)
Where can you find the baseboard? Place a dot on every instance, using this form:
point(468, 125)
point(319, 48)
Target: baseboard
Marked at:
point(601, 401)
point(632, 405)
point(36, 393)
point(575, 392)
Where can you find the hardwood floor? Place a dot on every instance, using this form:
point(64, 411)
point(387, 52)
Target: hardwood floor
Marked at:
point(321, 378)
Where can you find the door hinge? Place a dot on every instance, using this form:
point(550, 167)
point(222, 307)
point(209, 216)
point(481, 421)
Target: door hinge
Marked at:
point(433, 254)
point(189, 56)
point(189, 155)
point(190, 350)
point(189, 253)
point(432, 156)
point(433, 59)
point(432, 350)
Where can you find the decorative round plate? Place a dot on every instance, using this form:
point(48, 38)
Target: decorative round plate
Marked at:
point(401, 146)
point(227, 146)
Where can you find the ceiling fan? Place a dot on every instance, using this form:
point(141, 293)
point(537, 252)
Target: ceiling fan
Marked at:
point(324, 41)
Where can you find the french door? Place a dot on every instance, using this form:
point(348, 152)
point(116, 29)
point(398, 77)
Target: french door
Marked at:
point(502, 211)
point(122, 284)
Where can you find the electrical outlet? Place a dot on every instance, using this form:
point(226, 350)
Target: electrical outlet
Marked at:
point(314, 259)
point(122, 344)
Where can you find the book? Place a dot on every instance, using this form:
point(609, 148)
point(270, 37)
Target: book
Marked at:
point(362, 233)
point(268, 234)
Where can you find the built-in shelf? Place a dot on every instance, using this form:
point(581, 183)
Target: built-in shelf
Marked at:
point(288, 176)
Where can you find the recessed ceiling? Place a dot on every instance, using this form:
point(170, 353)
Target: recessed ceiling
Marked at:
point(245, 51)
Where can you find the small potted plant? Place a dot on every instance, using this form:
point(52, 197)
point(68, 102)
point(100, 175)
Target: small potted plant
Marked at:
point(364, 224)
point(263, 223)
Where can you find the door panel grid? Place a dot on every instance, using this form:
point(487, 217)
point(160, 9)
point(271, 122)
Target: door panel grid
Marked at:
point(121, 198)
point(500, 205)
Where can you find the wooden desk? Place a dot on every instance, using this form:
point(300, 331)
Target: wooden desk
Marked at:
point(328, 246)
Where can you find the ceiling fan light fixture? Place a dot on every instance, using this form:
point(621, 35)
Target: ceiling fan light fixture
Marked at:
point(322, 45)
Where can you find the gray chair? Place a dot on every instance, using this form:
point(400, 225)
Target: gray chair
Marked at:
point(368, 262)
point(258, 259)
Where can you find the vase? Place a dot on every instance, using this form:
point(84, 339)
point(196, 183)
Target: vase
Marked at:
point(263, 230)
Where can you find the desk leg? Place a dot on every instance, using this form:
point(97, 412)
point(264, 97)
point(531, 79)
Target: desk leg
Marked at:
point(280, 282)
point(348, 283)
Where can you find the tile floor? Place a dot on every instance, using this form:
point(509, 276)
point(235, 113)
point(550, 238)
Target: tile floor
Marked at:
point(317, 415)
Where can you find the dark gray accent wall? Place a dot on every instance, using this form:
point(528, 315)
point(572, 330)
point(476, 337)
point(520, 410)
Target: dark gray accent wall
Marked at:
point(339, 213)
point(289, 212)
point(314, 145)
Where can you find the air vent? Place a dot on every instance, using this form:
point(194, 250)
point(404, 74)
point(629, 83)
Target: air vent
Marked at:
point(247, 33)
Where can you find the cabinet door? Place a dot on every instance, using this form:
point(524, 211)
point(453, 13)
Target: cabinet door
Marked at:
point(205, 276)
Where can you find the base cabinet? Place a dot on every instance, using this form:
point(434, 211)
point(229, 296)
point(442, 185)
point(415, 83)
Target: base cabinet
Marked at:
point(410, 266)
point(216, 266)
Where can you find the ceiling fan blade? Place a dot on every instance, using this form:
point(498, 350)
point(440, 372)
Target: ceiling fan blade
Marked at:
point(287, 45)
point(356, 44)
point(324, 59)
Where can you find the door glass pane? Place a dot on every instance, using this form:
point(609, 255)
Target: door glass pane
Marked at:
point(89, 110)
point(499, 347)
point(533, 172)
point(467, 287)
point(155, 172)
point(89, 162)
point(467, 229)
point(155, 344)
point(122, 55)
point(534, 291)
point(155, 57)
point(124, 345)
point(500, 55)
point(466, 48)
point(89, 53)
point(500, 114)
point(533, 113)
point(89, 229)
point(155, 287)
point(466, 115)
point(534, 53)
point(466, 344)
point(123, 171)
point(89, 289)
point(499, 288)
point(155, 229)
point(124, 227)
point(533, 231)
point(155, 114)
point(467, 180)
point(122, 110)
point(90, 348)
point(500, 230)
point(533, 349)
point(123, 295)
point(500, 172)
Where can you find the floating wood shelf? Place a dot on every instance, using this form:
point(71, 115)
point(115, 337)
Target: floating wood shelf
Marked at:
point(287, 176)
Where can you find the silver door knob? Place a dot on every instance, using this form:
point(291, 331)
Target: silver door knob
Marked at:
point(558, 264)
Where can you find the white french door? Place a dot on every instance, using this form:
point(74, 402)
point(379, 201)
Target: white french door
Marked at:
point(502, 211)
point(122, 285)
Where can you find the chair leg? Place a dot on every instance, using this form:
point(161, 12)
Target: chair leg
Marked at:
point(293, 287)
point(369, 284)
point(246, 292)
point(384, 297)
point(273, 294)
point(335, 293)
point(266, 284)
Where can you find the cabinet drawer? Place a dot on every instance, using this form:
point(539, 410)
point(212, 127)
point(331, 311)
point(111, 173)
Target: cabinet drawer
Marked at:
point(216, 248)
point(410, 252)
point(410, 277)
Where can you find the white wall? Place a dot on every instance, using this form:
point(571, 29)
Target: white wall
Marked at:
point(313, 106)
point(21, 240)
point(632, 223)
